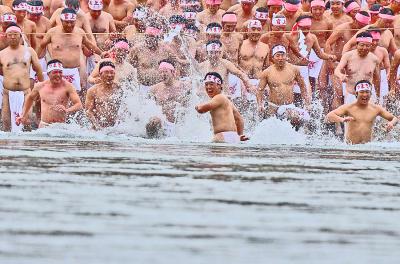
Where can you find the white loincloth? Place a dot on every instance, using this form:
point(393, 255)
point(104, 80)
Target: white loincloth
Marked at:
point(384, 86)
point(72, 76)
point(281, 112)
point(304, 74)
point(231, 137)
point(1, 91)
point(251, 96)
point(234, 86)
point(43, 64)
point(144, 90)
point(314, 68)
point(16, 101)
point(169, 129)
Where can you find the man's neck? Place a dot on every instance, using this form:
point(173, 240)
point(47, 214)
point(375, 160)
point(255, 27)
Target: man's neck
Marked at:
point(215, 62)
point(108, 86)
point(338, 15)
point(14, 47)
point(280, 68)
point(169, 83)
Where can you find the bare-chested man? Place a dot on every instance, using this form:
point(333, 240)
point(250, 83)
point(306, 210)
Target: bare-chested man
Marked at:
point(27, 26)
point(215, 63)
point(374, 12)
point(170, 94)
point(336, 13)
point(261, 15)
point(15, 62)
point(229, 38)
point(122, 11)
point(227, 122)
point(213, 32)
point(50, 6)
point(291, 11)
point(279, 78)
point(212, 13)
point(173, 7)
point(351, 8)
point(360, 115)
point(103, 100)
point(138, 26)
point(6, 20)
point(274, 7)
point(68, 47)
point(55, 96)
point(356, 65)
point(101, 22)
point(244, 11)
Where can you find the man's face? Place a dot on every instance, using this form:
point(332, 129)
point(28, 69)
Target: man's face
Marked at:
point(213, 8)
point(387, 23)
point(212, 89)
point(247, 7)
point(167, 75)
point(34, 17)
point(107, 76)
point(336, 7)
point(56, 76)
point(305, 5)
point(254, 34)
point(95, 13)
point(68, 26)
point(279, 59)
point(151, 41)
point(273, 9)
point(213, 36)
point(353, 13)
point(228, 26)
point(363, 97)
point(317, 12)
point(363, 48)
point(374, 44)
point(13, 38)
point(20, 14)
point(214, 55)
point(305, 30)
point(278, 30)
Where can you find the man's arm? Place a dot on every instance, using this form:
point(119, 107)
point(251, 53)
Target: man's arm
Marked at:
point(332, 40)
point(336, 116)
point(74, 97)
point(340, 68)
point(393, 71)
point(112, 27)
point(377, 81)
point(32, 37)
point(33, 95)
point(235, 71)
point(46, 40)
point(389, 117)
point(36, 65)
point(238, 120)
point(89, 106)
point(215, 102)
point(303, 88)
point(260, 91)
point(90, 45)
point(317, 48)
point(88, 30)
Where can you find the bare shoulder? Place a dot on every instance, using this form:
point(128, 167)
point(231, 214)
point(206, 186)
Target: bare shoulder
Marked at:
point(40, 85)
point(234, 8)
point(373, 57)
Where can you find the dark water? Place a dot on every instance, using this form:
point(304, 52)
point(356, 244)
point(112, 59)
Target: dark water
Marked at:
point(82, 201)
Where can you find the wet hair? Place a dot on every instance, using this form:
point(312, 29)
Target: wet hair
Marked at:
point(260, 9)
point(215, 74)
point(279, 16)
point(17, 2)
point(12, 24)
point(75, 4)
point(374, 29)
point(303, 17)
point(229, 13)
point(216, 41)
point(364, 13)
point(293, 2)
point(106, 63)
point(328, 5)
point(68, 10)
point(167, 61)
point(177, 19)
point(53, 61)
point(348, 3)
point(192, 27)
point(375, 7)
point(35, 3)
point(386, 11)
point(364, 34)
point(211, 25)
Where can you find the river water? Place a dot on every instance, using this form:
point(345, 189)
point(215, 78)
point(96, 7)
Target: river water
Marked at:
point(76, 197)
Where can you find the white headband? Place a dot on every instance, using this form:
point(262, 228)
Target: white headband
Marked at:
point(277, 49)
point(190, 15)
point(254, 24)
point(96, 5)
point(20, 7)
point(213, 47)
point(213, 79)
point(68, 17)
point(261, 15)
point(54, 66)
point(279, 21)
point(9, 18)
point(35, 9)
point(363, 87)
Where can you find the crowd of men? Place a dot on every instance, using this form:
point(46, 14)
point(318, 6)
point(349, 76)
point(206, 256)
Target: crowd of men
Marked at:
point(58, 58)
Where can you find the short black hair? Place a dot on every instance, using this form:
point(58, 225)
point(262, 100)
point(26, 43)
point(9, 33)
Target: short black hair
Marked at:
point(192, 26)
point(53, 61)
point(216, 41)
point(348, 3)
point(12, 24)
point(213, 24)
point(303, 17)
point(364, 13)
point(35, 3)
point(215, 74)
point(261, 9)
point(68, 10)
point(106, 63)
point(364, 34)
point(177, 19)
point(386, 11)
point(293, 2)
point(17, 2)
point(374, 29)
point(375, 8)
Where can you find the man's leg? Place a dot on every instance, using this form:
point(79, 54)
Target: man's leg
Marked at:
point(5, 112)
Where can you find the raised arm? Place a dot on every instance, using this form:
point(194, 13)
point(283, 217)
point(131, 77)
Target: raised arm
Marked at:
point(339, 70)
point(303, 88)
point(74, 97)
point(215, 102)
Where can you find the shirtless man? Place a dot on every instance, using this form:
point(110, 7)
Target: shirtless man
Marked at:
point(227, 122)
point(50, 6)
point(121, 11)
point(280, 78)
point(138, 26)
point(68, 47)
point(356, 65)
point(215, 63)
point(170, 93)
point(213, 32)
point(262, 16)
point(274, 7)
point(360, 115)
point(124, 71)
point(27, 26)
point(244, 11)
point(212, 13)
point(55, 95)
point(6, 20)
point(291, 11)
point(374, 12)
point(351, 8)
point(15, 62)
point(103, 100)
point(35, 14)
point(226, 4)
point(101, 22)
point(336, 14)
point(229, 38)
point(253, 54)
point(173, 7)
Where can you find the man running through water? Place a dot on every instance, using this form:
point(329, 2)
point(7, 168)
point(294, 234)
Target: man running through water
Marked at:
point(56, 94)
point(103, 99)
point(227, 122)
point(280, 78)
point(15, 62)
point(360, 115)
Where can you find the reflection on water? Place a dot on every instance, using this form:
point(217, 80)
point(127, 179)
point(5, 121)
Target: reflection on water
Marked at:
point(90, 201)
